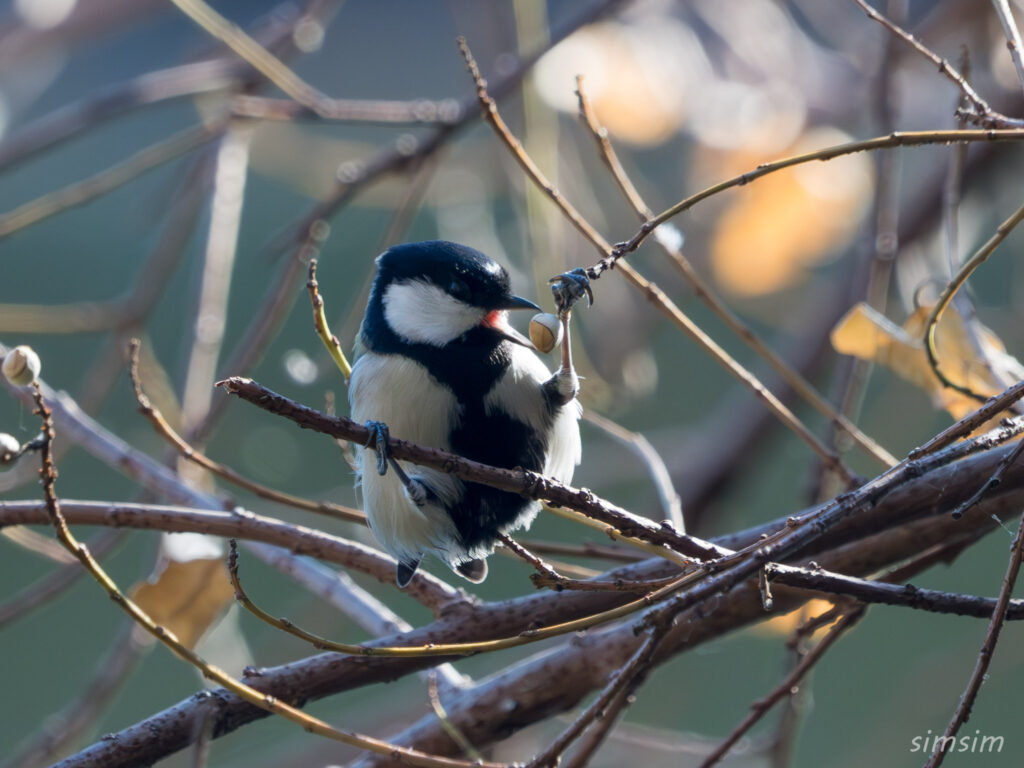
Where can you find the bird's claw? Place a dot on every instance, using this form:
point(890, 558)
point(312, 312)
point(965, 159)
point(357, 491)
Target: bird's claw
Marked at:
point(417, 492)
point(379, 436)
point(570, 287)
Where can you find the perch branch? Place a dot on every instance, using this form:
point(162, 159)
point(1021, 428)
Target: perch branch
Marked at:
point(527, 483)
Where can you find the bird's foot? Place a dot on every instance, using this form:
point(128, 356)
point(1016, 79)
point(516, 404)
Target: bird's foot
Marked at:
point(415, 490)
point(567, 288)
point(379, 436)
point(570, 287)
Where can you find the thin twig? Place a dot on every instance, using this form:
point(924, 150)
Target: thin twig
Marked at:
point(660, 476)
point(810, 626)
point(952, 193)
point(208, 318)
point(983, 113)
point(994, 405)
point(993, 482)
point(599, 731)
point(760, 707)
point(323, 330)
point(33, 542)
point(619, 585)
point(979, 257)
point(275, 70)
point(54, 584)
point(872, 276)
point(585, 549)
point(202, 734)
point(108, 179)
point(1013, 40)
point(706, 293)
point(542, 568)
point(446, 722)
point(636, 665)
point(152, 413)
point(988, 647)
point(341, 591)
point(906, 595)
point(382, 111)
point(892, 140)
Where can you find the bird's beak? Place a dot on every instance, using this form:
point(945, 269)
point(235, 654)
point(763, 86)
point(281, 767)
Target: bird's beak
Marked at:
point(516, 302)
point(514, 336)
point(498, 320)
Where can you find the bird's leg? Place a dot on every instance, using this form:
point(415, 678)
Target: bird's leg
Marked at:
point(564, 385)
point(567, 289)
point(417, 492)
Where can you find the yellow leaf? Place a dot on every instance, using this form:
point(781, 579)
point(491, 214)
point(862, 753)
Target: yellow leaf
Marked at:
point(186, 597)
point(865, 333)
point(788, 623)
point(784, 224)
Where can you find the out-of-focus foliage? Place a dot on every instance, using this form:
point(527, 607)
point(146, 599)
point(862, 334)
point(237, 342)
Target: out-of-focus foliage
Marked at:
point(865, 333)
point(186, 597)
point(773, 235)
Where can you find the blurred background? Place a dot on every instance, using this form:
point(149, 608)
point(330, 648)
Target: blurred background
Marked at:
point(213, 211)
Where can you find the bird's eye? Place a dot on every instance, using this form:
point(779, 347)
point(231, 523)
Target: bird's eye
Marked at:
point(459, 289)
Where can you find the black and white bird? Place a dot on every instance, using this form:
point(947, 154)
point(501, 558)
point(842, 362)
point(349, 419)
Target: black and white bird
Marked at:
point(438, 363)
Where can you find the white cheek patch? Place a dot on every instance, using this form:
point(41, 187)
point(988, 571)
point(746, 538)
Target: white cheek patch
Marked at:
point(423, 313)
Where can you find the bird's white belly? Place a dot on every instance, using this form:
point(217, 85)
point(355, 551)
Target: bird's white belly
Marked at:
point(399, 392)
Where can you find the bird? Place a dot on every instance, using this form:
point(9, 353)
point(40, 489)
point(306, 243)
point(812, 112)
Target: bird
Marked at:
point(438, 364)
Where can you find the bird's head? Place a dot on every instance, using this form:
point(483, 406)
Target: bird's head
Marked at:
point(435, 292)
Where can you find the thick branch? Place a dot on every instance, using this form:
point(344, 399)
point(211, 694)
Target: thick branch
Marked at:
point(582, 664)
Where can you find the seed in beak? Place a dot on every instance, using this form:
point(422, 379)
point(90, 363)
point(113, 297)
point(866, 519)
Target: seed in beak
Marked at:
point(545, 331)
